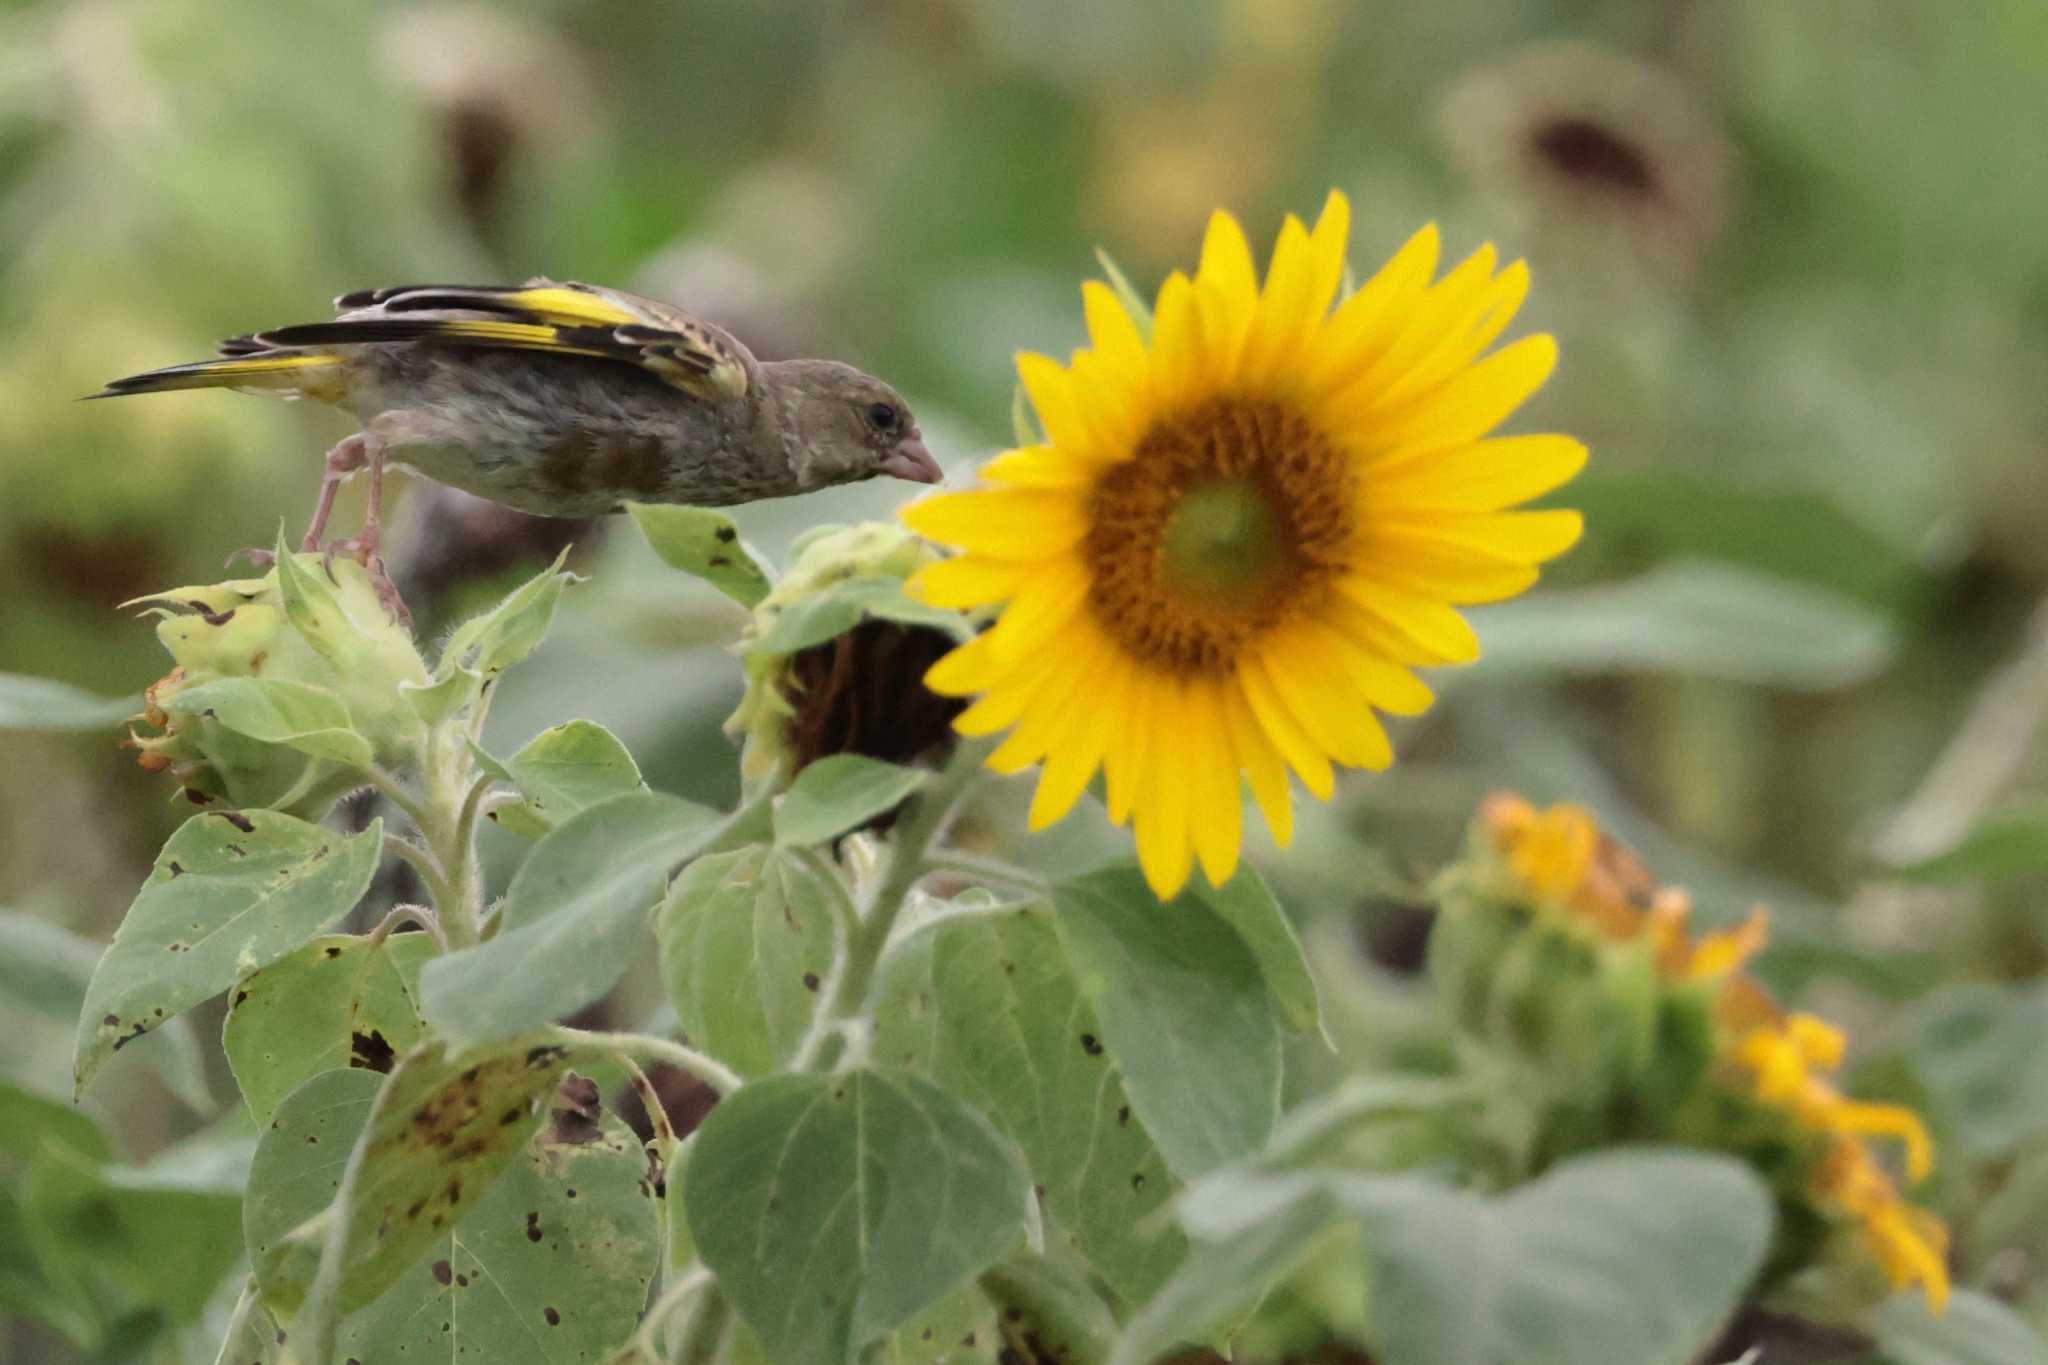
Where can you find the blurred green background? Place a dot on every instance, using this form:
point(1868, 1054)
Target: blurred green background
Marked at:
point(1792, 252)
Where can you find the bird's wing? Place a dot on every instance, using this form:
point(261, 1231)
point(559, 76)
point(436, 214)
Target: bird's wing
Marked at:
point(541, 315)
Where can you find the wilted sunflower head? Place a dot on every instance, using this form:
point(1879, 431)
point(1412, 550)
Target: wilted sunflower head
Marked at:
point(1578, 137)
point(854, 687)
point(1243, 531)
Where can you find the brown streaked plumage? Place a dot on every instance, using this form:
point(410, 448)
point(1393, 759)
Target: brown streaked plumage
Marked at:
point(564, 399)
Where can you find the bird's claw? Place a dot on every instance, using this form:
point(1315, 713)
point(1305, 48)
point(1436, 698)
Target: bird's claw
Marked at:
point(258, 558)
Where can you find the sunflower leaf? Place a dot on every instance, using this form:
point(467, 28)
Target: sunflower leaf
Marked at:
point(1185, 1011)
point(874, 1190)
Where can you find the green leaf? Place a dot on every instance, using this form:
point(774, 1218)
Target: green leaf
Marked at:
point(442, 1128)
point(140, 1240)
point(703, 542)
point(337, 1002)
point(30, 1122)
point(44, 970)
point(1223, 1280)
point(1803, 535)
point(485, 646)
point(574, 919)
point(564, 770)
point(838, 793)
point(297, 715)
point(839, 608)
point(986, 1005)
point(230, 893)
point(45, 704)
point(832, 1208)
point(1698, 618)
point(1976, 1330)
point(747, 939)
point(1627, 1255)
point(1185, 1011)
point(301, 1159)
point(1977, 1049)
point(2006, 843)
point(568, 1226)
point(1246, 905)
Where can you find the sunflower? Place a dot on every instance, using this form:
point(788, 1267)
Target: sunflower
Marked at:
point(1242, 534)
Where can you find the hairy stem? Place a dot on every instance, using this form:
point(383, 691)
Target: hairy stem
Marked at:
point(707, 1069)
point(846, 998)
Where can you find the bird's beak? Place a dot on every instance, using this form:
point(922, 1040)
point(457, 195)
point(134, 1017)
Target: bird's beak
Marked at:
point(910, 460)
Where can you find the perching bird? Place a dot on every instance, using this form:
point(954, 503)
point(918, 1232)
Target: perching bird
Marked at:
point(563, 400)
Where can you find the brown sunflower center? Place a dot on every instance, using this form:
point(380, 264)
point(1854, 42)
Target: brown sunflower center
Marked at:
point(1224, 521)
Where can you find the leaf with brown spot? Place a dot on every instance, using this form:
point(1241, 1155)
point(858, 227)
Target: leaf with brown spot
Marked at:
point(337, 1002)
point(234, 912)
point(593, 1262)
point(432, 1147)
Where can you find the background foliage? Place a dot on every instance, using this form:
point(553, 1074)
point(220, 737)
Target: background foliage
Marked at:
point(1800, 658)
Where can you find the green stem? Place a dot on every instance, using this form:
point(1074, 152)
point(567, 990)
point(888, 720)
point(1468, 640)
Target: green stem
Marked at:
point(710, 1325)
point(868, 935)
point(707, 1069)
point(692, 1282)
point(990, 871)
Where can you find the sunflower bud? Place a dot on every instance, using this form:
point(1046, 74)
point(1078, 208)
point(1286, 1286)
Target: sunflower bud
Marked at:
point(283, 688)
point(836, 656)
point(1598, 1017)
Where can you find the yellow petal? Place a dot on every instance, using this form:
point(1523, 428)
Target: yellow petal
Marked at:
point(968, 581)
point(1431, 565)
point(1123, 759)
point(1309, 762)
point(1387, 686)
point(1482, 477)
point(1431, 323)
point(1227, 267)
point(1335, 719)
point(1050, 388)
point(1112, 330)
point(1365, 324)
point(1160, 821)
point(1471, 404)
point(1286, 314)
point(1072, 763)
point(1043, 610)
point(1180, 364)
point(1262, 765)
point(965, 670)
point(1489, 311)
point(1405, 626)
point(1216, 802)
point(1002, 523)
point(1526, 537)
point(1048, 718)
point(1043, 467)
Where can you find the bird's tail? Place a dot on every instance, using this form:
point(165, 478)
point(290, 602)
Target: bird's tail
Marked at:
point(291, 374)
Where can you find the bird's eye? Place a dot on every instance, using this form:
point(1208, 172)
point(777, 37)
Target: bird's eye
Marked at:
point(883, 416)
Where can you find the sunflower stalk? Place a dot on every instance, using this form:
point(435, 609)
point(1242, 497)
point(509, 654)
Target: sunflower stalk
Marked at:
point(847, 1007)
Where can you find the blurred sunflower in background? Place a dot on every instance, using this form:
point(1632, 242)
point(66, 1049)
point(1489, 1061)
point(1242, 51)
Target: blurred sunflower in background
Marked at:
point(1241, 534)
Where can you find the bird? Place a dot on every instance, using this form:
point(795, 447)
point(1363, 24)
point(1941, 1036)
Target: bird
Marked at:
point(562, 399)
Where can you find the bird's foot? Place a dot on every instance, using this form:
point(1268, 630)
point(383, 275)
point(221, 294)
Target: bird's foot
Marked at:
point(364, 550)
point(258, 558)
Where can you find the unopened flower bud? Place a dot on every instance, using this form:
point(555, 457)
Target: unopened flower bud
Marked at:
point(282, 687)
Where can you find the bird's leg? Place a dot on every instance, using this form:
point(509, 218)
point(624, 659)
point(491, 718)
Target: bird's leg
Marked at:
point(359, 451)
point(345, 459)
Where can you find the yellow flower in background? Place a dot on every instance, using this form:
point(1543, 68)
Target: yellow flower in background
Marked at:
point(1780, 1057)
point(1557, 863)
point(1242, 535)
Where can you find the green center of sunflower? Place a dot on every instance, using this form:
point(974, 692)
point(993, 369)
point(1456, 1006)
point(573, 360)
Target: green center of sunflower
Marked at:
point(1225, 522)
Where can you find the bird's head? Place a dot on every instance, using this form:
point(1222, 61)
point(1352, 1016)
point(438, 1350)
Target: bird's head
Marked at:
point(841, 426)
